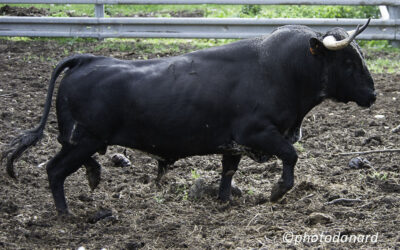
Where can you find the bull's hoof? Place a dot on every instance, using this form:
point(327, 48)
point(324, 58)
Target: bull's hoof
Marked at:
point(225, 198)
point(224, 194)
point(279, 190)
point(67, 217)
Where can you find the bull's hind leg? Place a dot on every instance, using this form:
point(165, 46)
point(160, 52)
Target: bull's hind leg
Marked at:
point(163, 168)
point(66, 162)
point(93, 172)
point(229, 166)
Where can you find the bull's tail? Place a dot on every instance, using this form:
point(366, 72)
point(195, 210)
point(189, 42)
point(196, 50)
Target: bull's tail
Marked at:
point(30, 137)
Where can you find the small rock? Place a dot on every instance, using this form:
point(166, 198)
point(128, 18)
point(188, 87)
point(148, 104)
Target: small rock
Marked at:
point(120, 160)
point(379, 116)
point(359, 162)
point(360, 132)
point(373, 124)
point(196, 191)
point(83, 197)
point(396, 129)
point(375, 140)
point(320, 218)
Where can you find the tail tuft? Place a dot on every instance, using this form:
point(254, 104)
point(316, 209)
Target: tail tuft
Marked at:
point(17, 146)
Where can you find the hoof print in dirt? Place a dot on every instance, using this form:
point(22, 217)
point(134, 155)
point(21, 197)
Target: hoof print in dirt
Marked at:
point(134, 245)
point(99, 215)
point(120, 160)
point(145, 179)
point(319, 218)
point(390, 186)
point(8, 207)
point(359, 162)
point(260, 199)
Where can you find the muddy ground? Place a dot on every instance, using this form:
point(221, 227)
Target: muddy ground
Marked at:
point(143, 215)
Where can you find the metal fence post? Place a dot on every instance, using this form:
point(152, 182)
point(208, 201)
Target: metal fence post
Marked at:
point(99, 13)
point(99, 10)
point(394, 13)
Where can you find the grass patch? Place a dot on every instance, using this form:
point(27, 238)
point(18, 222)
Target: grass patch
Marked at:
point(384, 65)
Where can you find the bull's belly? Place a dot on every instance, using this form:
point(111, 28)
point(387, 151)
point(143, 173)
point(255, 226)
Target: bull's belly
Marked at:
point(167, 147)
point(236, 149)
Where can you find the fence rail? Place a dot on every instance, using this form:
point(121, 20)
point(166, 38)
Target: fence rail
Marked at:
point(103, 27)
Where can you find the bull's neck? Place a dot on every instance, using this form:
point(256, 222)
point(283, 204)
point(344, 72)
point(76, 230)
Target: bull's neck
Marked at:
point(312, 90)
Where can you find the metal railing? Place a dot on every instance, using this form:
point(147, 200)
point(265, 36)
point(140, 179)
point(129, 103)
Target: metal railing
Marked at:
point(387, 28)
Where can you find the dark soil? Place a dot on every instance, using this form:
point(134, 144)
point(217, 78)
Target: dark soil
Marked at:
point(8, 10)
point(128, 211)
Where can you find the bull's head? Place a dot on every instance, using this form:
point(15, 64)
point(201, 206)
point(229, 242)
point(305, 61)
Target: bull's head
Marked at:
point(346, 76)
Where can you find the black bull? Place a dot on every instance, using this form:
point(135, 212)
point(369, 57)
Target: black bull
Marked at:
point(245, 98)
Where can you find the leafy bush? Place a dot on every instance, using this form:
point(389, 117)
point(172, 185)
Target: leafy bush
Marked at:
point(251, 10)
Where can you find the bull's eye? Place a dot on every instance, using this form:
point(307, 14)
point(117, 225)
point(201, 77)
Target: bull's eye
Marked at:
point(348, 62)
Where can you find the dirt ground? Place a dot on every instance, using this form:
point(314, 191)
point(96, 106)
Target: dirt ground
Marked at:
point(140, 214)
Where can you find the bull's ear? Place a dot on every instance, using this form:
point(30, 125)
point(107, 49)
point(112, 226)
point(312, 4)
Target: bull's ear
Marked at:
point(316, 46)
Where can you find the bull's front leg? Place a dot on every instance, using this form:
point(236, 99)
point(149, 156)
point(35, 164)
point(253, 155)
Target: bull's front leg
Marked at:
point(286, 182)
point(270, 141)
point(229, 166)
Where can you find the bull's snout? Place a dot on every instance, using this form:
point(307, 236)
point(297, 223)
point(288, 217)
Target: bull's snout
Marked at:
point(367, 99)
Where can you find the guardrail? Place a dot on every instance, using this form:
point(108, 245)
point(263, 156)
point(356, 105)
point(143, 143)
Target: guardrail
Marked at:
point(387, 28)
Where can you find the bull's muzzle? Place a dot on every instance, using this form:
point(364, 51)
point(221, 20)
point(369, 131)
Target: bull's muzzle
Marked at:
point(369, 100)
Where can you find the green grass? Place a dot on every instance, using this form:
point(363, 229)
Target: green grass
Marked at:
point(212, 11)
point(383, 65)
point(195, 175)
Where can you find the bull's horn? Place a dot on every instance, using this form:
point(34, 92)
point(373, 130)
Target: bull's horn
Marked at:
point(331, 43)
point(351, 32)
